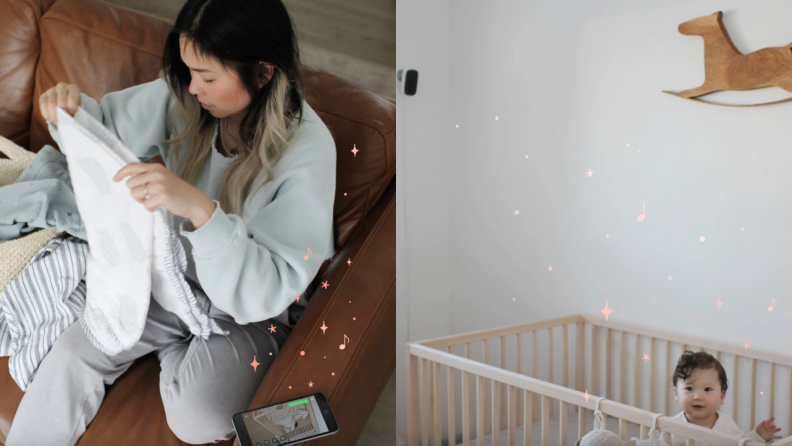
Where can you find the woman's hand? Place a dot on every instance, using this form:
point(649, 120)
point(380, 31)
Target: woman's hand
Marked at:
point(63, 95)
point(767, 429)
point(166, 189)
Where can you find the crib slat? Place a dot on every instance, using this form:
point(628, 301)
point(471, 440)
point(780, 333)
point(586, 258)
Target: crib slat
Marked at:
point(753, 393)
point(468, 355)
point(623, 429)
point(512, 392)
point(734, 392)
point(644, 432)
point(486, 390)
point(535, 373)
point(436, 425)
point(550, 363)
point(594, 361)
point(546, 403)
point(652, 406)
point(637, 397)
point(503, 388)
point(519, 370)
point(496, 418)
point(608, 363)
point(527, 417)
point(690, 442)
point(623, 373)
point(579, 358)
point(684, 348)
point(717, 356)
point(701, 349)
point(667, 437)
point(466, 401)
point(772, 388)
point(436, 420)
point(562, 415)
point(413, 394)
point(566, 357)
point(669, 379)
point(451, 410)
point(425, 401)
point(581, 421)
point(480, 414)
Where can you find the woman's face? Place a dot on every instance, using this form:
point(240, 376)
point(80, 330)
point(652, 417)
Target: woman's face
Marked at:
point(220, 92)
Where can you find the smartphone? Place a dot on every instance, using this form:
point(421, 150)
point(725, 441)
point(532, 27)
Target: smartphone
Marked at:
point(285, 423)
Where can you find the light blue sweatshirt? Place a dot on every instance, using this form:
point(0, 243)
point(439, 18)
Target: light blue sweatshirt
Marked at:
point(251, 267)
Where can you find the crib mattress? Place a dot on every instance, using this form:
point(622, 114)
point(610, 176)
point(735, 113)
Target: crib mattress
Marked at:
point(612, 424)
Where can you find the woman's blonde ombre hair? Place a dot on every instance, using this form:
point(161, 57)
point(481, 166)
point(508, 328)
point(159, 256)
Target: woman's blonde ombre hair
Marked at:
point(238, 34)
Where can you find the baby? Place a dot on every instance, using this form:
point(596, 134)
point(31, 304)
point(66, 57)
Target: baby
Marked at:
point(700, 387)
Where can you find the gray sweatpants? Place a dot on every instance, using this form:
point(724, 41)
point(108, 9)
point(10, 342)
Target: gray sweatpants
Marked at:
point(202, 383)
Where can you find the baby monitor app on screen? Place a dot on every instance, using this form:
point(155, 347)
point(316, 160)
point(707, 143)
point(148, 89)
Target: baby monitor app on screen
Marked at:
point(285, 422)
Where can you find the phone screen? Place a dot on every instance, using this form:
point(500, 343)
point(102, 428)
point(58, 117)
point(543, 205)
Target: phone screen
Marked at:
point(287, 422)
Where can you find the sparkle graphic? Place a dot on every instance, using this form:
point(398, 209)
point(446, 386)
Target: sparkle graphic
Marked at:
point(702, 238)
point(719, 303)
point(590, 173)
point(746, 345)
point(324, 327)
point(254, 364)
point(272, 328)
point(298, 298)
point(496, 118)
point(325, 284)
point(549, 268)
point(355, 150)
point(517, 212)
point(587, 395)
point(607, 311)
point(457, 125)
point(646, 357)
point(349, 261)
point(670, 278)
point(310, 384)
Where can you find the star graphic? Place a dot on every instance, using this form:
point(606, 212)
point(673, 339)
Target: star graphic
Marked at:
point(324, 327)
point(355, 150)
point(646, 357)
point(254, 364)
point(496, 118)
point(272, 328)
point(325, 284)
point(298, 298)
point(719, 303)
point(590, 173)
point(746, 345)
point(669, 277)
point(310, 384)
point(587, 395)
point(549, 268)
point(517, 212)
point(607, 311)
point(349, 261)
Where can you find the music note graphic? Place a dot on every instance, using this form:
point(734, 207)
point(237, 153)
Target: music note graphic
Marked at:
point(309, 253)
point(772, 302)
point(642, 216)
point(343, 346)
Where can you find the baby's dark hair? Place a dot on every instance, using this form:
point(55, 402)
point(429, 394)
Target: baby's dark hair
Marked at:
point(690, 361)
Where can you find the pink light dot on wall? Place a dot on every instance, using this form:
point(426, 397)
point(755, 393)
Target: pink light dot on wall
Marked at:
point(302, 353)
point(354, 319)
point(607, 236)
point(290, 387)
point(457, 125)
point(702, 238)
point(761, 393)
point(513, 298)
point(333, 373)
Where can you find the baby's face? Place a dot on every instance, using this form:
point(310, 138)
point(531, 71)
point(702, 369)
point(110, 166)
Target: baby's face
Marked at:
point(700, 395)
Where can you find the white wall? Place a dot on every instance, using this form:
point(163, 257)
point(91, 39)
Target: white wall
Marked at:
point(573, 83)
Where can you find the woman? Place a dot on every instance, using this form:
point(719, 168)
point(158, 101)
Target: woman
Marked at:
point(250, 179)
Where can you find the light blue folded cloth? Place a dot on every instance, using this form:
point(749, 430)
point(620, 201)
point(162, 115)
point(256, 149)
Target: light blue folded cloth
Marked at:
point(41, 198)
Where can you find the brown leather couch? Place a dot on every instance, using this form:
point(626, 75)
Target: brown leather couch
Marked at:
point(104, 48)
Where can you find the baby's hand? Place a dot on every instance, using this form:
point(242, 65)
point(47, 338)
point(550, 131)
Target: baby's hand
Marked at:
point(766, 429)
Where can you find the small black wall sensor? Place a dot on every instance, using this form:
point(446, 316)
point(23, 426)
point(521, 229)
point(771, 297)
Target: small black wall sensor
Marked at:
point(410, 82)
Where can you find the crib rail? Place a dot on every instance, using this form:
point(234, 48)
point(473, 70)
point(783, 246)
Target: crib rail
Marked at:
point(505, 400)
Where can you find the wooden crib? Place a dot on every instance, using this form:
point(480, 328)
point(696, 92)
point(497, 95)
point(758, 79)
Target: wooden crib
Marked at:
point(505, 401)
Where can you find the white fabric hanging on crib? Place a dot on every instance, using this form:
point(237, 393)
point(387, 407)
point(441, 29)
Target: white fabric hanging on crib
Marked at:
point(600, 436)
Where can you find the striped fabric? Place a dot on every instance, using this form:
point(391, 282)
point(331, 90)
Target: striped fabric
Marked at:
point(40, 303)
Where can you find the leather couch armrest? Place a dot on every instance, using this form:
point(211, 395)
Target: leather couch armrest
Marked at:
point(360, 302)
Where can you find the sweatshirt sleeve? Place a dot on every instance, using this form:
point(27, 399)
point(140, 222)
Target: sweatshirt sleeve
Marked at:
point(136, 115)
point(254, 271)
point(753, 436)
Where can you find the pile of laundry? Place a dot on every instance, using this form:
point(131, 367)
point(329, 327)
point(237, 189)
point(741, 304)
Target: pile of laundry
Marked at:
point(51, 291)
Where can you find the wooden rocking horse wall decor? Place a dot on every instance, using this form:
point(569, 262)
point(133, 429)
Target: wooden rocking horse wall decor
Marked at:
point(727, 69)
